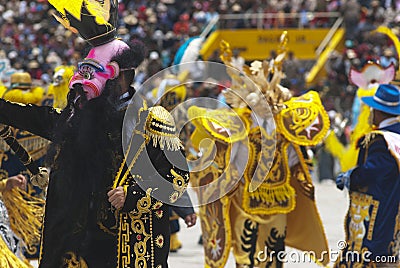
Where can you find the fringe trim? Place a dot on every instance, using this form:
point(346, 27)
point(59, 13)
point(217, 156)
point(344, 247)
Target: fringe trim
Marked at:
point(9, 260)
point(26, 215)
point(278, 194)
point(172, 143)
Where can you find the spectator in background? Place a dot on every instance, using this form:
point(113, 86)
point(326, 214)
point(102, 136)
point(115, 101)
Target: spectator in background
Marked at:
point(293, 70)
point(376, 12)
point(351, 12)
point(154, 65)
point(181, 27)
point(387, 58)
point(237, 60)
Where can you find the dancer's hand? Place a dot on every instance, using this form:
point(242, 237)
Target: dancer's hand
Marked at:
point(190, 220)
point(117, 197)
point(16, 181)
point(343, 180)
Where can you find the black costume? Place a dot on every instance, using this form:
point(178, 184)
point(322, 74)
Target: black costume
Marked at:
point(80, 225)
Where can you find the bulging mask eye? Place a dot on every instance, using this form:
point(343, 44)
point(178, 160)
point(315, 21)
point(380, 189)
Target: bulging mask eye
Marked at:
point(87, 71)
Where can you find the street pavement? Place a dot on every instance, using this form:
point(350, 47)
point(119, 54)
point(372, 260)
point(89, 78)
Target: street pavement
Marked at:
point(332, 205)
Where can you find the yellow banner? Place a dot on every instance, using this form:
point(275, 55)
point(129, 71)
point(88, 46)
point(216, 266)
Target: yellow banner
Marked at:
point(256, 44)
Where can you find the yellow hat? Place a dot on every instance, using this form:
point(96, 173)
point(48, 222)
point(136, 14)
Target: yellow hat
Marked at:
point(20, 81)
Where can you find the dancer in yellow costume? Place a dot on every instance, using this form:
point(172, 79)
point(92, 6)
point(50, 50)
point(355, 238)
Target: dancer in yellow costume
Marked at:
point(58, 89)
point(264, 211)
point(367, 81)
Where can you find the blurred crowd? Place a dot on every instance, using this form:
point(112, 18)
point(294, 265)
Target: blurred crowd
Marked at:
point(32, 40)
point(362, 45)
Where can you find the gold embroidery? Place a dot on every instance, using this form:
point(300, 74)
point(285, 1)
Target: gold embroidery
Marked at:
point(359, 212)
point(274, 194)
point(157, 205)
point(159, 241)
point(138, 216)
point(304, 121)
point(375, 205)
point(174, 196)
point(159, 213)
point(179, 183)
point(71, 260)
point(160, 127)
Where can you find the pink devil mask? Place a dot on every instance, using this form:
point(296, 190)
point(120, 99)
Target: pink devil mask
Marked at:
point(96, 68)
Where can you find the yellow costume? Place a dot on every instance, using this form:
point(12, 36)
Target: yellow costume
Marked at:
point(58, 90)
point(366, 80)
point(22, 91)
point(271, 204)
point(16, 209)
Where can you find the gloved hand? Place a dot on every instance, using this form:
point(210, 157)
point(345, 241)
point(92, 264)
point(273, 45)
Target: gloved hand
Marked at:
point(343, 180)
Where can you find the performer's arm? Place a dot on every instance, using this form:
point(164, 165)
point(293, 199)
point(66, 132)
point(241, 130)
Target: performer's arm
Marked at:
point(378, 162)
point(166, 174)
point(186, 209)
point(11, 182)
point(39, 120)
point(186, 212)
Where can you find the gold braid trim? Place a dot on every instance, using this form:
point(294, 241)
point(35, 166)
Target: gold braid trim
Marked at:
point(160, 127)
point(26, 215)
point(369, 137)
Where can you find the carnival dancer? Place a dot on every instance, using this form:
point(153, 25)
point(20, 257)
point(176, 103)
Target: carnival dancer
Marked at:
point(11, 254)
point(58, 90)
point(257, 222)
point(17, 208)
point(367, 80)
point(373, 220)
point(22, 91)
point(100, 209)
point(169, 94)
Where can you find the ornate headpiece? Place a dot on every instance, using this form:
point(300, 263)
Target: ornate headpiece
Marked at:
point(302, 120)
point(94, 20)
point(266, 75)
point(371, 75)
point(393, 37)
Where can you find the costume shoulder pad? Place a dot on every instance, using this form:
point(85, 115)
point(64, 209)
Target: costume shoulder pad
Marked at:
point(160, 127)
point(304, 120)
point(224, 125)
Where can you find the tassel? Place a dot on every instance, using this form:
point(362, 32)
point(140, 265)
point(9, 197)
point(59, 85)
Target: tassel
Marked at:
point(26, 215)
point(172, 143)
point(268, 194)
point(8, 258)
